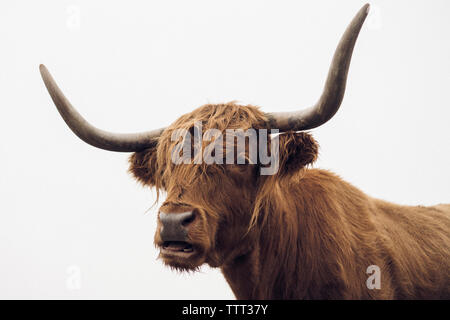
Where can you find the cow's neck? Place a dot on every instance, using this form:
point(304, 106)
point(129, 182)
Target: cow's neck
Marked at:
point(298, 243)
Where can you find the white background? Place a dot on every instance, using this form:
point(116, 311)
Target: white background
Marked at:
point(73, 223)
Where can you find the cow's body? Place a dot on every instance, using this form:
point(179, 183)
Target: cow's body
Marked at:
point(324, 233)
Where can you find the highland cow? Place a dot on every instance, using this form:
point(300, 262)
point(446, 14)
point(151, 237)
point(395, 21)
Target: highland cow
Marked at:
point(301, 233)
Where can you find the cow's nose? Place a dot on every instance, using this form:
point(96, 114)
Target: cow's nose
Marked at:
point(174, 225)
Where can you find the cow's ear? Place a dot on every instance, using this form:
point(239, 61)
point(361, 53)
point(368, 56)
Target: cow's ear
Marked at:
point(297, 150)
point(143, 166)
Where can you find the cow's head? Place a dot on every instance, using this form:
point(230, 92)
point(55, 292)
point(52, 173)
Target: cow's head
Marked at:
point(210, 206)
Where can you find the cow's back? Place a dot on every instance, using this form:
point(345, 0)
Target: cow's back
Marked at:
point(417, 243)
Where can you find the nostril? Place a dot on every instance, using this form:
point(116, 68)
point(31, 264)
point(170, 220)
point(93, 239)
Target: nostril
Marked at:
point(188, 220)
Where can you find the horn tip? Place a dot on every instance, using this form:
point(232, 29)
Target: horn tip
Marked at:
point(366, 8)
point(43, 69)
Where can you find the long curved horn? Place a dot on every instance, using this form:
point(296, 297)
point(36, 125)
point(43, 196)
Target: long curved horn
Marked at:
point(123, 142)
point(334, 90)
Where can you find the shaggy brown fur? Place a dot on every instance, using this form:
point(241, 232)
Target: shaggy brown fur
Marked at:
point(299, 234)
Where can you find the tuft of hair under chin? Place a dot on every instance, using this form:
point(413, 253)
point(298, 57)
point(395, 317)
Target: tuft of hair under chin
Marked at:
point(181, 268)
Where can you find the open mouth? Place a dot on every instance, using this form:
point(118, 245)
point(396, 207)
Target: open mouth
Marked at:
point(177, 248)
